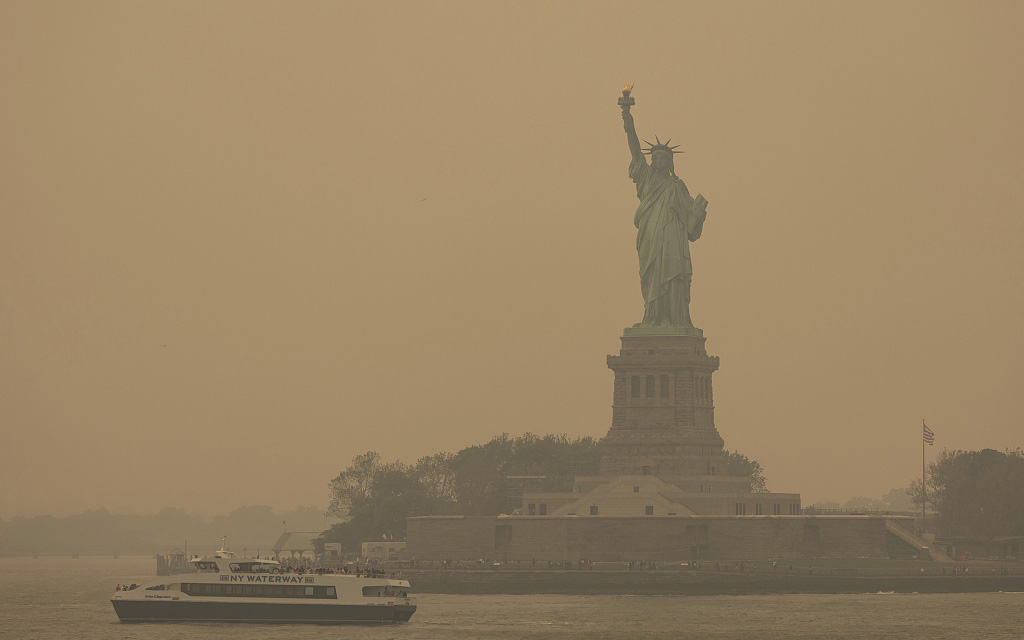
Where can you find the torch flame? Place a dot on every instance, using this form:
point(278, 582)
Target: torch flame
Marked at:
point(626, 90)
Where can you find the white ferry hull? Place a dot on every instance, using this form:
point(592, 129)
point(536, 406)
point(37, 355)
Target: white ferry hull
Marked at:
point(273, 612)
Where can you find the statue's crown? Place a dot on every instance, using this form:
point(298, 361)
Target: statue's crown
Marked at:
point(661, 146)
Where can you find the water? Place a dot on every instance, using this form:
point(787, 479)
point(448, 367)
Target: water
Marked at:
point(64, 598)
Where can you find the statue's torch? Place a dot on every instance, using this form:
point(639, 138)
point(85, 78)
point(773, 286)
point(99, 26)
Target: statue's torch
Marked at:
point(626, 101)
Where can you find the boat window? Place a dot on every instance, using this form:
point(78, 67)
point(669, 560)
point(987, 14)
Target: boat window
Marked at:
point(385, 591)
point(159, 587)
point(245, 567)
point(258, 591)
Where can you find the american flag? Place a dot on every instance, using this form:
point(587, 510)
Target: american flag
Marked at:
point(929, 435)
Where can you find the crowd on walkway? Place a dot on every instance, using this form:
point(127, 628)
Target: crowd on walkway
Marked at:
point(358, 571)
point(780, 567)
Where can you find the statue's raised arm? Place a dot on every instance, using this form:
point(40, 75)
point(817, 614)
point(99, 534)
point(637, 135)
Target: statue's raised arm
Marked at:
point(626, 101)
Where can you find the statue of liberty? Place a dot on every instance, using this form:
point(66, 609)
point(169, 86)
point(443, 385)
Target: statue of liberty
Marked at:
point(667, 220)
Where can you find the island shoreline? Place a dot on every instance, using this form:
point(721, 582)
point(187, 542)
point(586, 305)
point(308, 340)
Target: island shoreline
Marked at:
point(702, 583)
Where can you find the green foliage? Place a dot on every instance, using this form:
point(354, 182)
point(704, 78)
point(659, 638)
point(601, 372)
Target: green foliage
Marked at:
point(895, 500)
point(481, 471)
point(374, 498)
point(354, 484)
point(737, 464)
point(979, 493)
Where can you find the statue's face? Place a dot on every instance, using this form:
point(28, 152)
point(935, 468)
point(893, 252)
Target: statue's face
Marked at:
point(661, 161)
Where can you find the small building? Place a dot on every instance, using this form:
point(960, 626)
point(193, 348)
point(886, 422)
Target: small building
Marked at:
point(173, 563)
point(296, 544)
point(383, 550)
point(332, 556)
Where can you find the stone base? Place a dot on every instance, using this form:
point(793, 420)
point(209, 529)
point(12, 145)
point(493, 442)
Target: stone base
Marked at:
point(660, 538)
point(662, 330)
point(662, 409)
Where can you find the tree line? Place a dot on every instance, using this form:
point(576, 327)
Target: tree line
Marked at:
point(975, 493)
point(373, 497)
point(894, 501)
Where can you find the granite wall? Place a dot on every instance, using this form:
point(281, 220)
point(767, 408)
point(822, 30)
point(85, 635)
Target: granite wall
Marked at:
point(651, 538)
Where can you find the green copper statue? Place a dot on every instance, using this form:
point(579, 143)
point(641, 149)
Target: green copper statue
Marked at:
point(667, 220)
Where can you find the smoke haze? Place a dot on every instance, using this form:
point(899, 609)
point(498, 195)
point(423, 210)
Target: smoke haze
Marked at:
point(241, 243)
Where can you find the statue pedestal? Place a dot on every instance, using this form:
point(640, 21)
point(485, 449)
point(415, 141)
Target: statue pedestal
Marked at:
point(663, 416)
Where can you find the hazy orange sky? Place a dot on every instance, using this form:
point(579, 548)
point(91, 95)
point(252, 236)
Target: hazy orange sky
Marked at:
point(242, 242)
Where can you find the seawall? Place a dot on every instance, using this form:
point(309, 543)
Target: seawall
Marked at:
point(685, 583)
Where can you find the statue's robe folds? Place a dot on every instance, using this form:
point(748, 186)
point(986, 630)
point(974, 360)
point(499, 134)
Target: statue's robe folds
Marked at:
point(667, 220)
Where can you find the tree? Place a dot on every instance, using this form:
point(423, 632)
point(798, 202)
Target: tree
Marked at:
point(482, 471)
point(373, 498)
point(894, 500)
point(437, 476)
point(863, 503)
point(978, 493)
point(897, 500)
point(353, 484)
point(737, 464)
point(394, 495)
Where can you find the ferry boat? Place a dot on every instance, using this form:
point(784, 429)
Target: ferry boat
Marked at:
point(229, 588)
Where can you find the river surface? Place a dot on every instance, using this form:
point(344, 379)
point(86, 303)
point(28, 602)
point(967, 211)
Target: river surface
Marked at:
point(64, 598)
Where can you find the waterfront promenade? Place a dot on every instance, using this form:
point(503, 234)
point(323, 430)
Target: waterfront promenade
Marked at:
point(673, 582)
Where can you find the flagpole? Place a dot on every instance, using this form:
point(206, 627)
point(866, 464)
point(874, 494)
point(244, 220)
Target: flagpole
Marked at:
point(924, 488)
